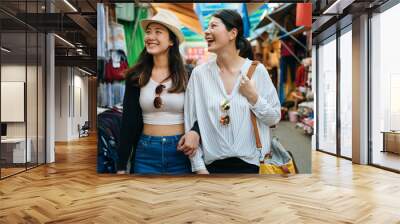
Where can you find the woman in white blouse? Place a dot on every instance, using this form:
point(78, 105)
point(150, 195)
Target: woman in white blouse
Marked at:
point(220, 96)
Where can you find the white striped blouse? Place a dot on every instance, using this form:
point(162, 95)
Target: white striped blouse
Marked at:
point(203, 97)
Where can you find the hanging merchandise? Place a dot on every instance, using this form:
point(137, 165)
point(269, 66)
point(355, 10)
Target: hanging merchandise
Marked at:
point(107, 29)
point(271, 53)
point(302, 73)
point(129, 39)
point(304, 14)
point(101, 69)
point(117, 37)
point(116, 66)
point(138, 36)
point(110, 94)
point(134, 35)
point(306, 117)
point(242, 10)
point(109, 123)
point(196, 53)
point(287, 47)
point(101, 31)
point(301, 76)
point(287, 76)
point(125, 11)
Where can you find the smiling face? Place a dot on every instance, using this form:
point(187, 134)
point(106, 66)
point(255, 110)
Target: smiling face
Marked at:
point(217, 36)
point(157, 40)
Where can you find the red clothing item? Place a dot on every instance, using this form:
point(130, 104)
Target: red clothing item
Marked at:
point(114, 74)
point(284, 50)
point(301, 76)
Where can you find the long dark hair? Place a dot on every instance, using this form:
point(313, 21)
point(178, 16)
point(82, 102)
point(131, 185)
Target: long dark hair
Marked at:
point(232, 19)
point(140, 74)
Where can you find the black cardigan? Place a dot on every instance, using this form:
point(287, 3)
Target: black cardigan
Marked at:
point(132, 125)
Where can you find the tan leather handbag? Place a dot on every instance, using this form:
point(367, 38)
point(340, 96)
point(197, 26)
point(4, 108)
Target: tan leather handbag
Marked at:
point(278, 160)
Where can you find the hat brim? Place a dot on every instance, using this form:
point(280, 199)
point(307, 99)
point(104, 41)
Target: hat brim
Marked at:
point(178, 33)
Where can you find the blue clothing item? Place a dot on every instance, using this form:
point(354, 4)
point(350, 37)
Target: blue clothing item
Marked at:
point(287, 63)
point(159, 155)
point(110, 94)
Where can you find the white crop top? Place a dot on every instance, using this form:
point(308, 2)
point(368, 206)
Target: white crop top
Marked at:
point(171, 112)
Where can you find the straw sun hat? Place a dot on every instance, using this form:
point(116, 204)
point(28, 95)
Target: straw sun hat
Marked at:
point(167, 19)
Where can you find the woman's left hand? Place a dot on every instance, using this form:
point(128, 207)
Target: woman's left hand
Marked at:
point(248, 89)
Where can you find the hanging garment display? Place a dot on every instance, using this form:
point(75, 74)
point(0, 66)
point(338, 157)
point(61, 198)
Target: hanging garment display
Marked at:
point(287, 47)
point(301, 76)
point(101, 31)
point(125, 11)
point(304, 14)
point(268, 52)
point(109, 124)
point(271, 53)
point(101, 69)
point(110, 94)
point(117, 37)
point(107, 29)
point(287, 71)
point(134, 35)
point(115, 67)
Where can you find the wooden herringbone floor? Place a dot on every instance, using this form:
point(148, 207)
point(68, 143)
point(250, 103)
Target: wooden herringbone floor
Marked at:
point(70, 191)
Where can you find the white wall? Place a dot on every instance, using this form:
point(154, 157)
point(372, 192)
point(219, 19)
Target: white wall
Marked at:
point(16, 73)
point(71, 93)
point(61, 103)
point(33, 127)
point(12, 73)
point(80, 98)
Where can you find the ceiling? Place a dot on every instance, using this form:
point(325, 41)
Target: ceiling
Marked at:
point(77, 26)
point(328, 14)
point(19, 54)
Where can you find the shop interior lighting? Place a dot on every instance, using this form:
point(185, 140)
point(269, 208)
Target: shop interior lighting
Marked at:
point(84, 71)
point(337, 7)
point(331, 9)
point(70, 5)
point(5, 50)
point(65, 41)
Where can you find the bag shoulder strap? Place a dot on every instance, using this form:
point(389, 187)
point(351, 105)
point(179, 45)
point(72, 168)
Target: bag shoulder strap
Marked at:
point(252, 68)
point(250, 73)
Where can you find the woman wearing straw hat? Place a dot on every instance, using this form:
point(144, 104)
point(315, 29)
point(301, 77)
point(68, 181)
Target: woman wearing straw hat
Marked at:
point(152, 122)
point(224, 97)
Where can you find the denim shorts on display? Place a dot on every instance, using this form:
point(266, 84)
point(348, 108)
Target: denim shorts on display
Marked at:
point(159, 155)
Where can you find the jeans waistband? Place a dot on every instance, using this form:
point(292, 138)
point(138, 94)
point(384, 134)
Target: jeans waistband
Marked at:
point(165, 139)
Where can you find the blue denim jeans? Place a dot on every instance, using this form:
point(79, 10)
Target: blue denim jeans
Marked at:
point(159, 155)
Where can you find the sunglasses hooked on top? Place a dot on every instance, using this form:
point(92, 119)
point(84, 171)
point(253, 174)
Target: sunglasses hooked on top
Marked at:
point(157, 100)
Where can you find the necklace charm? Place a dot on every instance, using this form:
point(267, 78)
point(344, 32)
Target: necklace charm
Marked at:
point(225, 106)
point(224, 120)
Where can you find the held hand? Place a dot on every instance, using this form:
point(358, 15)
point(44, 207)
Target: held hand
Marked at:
point(189, 143)
point(248, 90)
point(204, 172)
